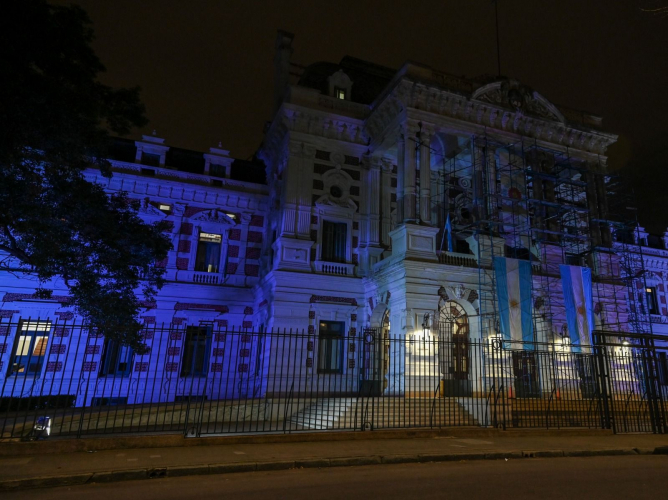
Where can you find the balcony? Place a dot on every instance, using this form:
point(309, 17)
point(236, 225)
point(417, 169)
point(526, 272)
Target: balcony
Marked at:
point(335, 268)
point(457, 259)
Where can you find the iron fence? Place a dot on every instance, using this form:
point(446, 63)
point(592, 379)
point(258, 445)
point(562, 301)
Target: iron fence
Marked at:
point(206, 380)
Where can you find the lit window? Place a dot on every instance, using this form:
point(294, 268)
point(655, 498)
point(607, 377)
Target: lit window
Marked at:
point(330, 346)
point(340, 93)
point(196, 351)
point(165, 208)
point(232, 216)
point(116, 359)
point(30, 348)
point(208, 253)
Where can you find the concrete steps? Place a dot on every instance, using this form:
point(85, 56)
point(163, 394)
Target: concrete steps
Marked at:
point(382, 413)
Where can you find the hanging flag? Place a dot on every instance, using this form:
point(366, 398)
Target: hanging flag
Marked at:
point(448, 229)
point(513, 290)
point(576, 283)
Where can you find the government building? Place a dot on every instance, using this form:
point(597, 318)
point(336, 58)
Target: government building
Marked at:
point(402, 233)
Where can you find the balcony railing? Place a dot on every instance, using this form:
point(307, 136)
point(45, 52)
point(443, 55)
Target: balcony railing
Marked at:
point(339, 269)
point(457, 259)
point(206, 278)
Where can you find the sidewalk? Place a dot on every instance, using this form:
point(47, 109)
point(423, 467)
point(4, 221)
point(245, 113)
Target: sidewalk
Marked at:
point(211, 457)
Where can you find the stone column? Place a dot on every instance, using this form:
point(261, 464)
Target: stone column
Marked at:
point(425, 177)
point(409, 174)
point(374, 202)
point(401, 162)
point(385, 200)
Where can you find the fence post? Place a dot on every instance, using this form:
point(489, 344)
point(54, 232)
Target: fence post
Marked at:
point(602, 380)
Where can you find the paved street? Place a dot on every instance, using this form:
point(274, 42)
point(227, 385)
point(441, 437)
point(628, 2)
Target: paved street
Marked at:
point(602, 477)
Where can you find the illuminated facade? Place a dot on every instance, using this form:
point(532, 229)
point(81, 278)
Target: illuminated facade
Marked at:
point(389, 198)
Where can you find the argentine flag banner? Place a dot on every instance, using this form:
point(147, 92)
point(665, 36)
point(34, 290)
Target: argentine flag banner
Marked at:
point(513, 290)
point(576, 282)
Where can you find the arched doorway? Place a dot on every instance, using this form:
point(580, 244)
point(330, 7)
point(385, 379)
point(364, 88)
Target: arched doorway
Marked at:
point(455, 358)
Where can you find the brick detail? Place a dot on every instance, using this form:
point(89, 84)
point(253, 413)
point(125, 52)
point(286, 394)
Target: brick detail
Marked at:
point(148, 334)
point(309, 363)
point(4, 331)
point(248, 310)
point(90, 366)
point(353, 317)
point(190, 211)
point(314, 219)
point(216, 367)
point(175, 335)
point(148, 320)
point(178, 321)
point(182, 306)
point(309, 345)
point(92, 349)
point(184, 246)
point(161, 264)
point(218, 352)
point(173, 351)
point(221, 323)
point(53, 366)
point(171, 367)
point(57, 348)
point(254, 237)
point(7, 313)
point(233, 251)
point(65, 315)
point(351, 363)
point(256, 221)
point(219, 337)
point(141, 366)
point(244, 353)
point(352, 346)
point(243, 368)
point(182, 263)
point(232, 267)
point(61, 331)
point(311, 330)
point(252, 270)
point(3, 348)
point(311, 315)
point(186, 228)
point(245, 338)
point(247, 324)
point(352, 332)
point(235, 234)
point(253, 253)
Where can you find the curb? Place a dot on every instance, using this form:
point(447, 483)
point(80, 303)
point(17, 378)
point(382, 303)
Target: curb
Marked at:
point(231, 468)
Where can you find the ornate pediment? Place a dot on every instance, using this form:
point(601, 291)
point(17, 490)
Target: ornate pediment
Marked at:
point(147, 208)
point(215, 216)
point(520, 98)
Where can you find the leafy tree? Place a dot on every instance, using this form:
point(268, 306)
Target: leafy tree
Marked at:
point(55, 122)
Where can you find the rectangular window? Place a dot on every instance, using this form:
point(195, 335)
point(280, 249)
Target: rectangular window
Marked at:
point(330, 346)
point(150, 159)
point(30, 348)
point(662, 368)
point(652, 303)
point(340, 93)
point(116, 359)
point(165, 208)
point(208, 252)
point(334, 241)
point(196, 351)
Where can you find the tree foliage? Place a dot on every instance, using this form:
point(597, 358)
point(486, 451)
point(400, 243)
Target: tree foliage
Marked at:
point(55, 122)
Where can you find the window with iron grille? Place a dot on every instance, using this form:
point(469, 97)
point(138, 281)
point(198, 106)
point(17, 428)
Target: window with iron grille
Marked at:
point(652, 303)
point(29, 350)
point(330, 346)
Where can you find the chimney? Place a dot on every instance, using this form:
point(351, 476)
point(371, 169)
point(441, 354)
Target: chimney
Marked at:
point(282, 66)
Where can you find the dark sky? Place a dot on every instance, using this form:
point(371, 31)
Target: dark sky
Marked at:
point(206, 67)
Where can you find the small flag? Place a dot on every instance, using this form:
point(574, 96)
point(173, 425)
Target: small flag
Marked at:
point(448, 228)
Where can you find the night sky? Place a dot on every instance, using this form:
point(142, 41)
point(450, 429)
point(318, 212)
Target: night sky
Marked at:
point(206, 67)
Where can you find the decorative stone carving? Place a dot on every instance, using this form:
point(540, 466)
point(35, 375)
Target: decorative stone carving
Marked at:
point(215, 216)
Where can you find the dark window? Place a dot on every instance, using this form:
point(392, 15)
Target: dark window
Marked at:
point(334, 240)
point(663, 368)
point(116, 359)
point(518, 253)
point(652, 303)
point(30, 348)
point(104, 401)
point(150, 159)
point(573, 260)
point(196, 351)
point(148, 171)
point(217, 170)
point(330, 346)
point(208, 253)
